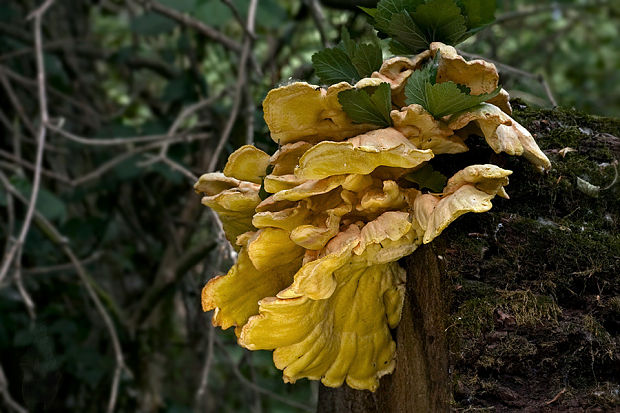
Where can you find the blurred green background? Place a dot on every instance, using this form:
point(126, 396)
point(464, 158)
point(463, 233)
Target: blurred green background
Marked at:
point(139, 95)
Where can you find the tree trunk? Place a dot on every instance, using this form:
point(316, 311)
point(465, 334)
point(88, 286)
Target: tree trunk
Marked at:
point(517, 308)
point(420, 382)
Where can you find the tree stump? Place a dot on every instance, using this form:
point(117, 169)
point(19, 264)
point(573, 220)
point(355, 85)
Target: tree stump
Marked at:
point(522, 310)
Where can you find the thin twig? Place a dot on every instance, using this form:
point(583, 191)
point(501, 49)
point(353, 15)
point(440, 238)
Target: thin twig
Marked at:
point(104, 141)
point(37, 15)
point(238, 17)
point(106, 166)
point(206, 369)
point(195, 24)
point(241, 80)
point(557, 396)
point(175, 166)
point(16, 103)
point(10, 207)
point(319, 19)
point(255, 386)
point(60, 240)
point(6, 396)
point(185, 113)
point(249, 116)
point(53, 92)
point(13, 167)
point(19, 283)
point(62, 267)
point(116, 345)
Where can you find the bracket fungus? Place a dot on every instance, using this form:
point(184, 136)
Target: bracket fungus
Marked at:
point(317, 279)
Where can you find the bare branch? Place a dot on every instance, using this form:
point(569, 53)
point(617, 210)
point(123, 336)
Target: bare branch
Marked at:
point(244, 380)
point(106, 166)
point(16, 102)
point(206, 369)
point(57, 238)
point(238, 96)
point(103, 141)
point(37, 15)
point(19, 282)
point(319, 20)
point(28, 165)
point(195, 24)
point(185, 113)
point(62, 267)
point(4, 392)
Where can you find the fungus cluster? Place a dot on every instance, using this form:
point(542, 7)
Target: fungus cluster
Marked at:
point(320, 224)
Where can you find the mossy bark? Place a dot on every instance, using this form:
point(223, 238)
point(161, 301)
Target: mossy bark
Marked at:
point(521, 312)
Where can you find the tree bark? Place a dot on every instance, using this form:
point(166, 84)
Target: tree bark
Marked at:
point(420, 381)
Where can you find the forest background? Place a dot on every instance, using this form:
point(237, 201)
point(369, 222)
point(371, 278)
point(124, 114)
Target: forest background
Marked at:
point(99, 307)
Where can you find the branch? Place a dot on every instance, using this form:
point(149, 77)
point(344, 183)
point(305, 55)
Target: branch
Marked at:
point(195, 24)
point(62, 267)
point(106, 166)
point(319, 19)
point(4, 392)
point(241, 80)
point(62, 242)
point(37, 15)
point(185, 113)
point(255, 386)
point(16, 102)
point(28, 165)
point(206, 369)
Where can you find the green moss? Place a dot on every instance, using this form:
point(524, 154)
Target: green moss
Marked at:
point(605, 344)
point(507, 352)
point(477, 315)
point(535, 286)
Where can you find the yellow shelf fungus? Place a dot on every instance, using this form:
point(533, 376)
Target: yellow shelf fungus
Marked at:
point(316, 278)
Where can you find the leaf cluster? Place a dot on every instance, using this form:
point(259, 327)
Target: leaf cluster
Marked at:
point(348, 61)
point(414, 24)
point(441, 99)
point(368, 105)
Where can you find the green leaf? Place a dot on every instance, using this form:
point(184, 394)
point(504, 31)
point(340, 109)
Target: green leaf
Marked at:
point(364, 107)
point(478, 13)
point(414, 24)
point(348, 61)
point(441, 99)
point(333, 66)
point(387, 8)
point(398, 49)
point(441, 20)
point(367, 58)
point(404, 30)
point(427, 177)
point(347, 44)
point(446, 98)
point(369, 11)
